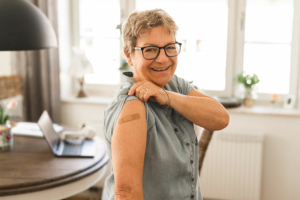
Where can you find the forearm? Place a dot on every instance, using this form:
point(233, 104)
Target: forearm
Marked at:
point(129, 194)
point(203, 111)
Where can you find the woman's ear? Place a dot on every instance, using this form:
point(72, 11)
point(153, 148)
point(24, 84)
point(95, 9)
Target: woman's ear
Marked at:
point(128, 57)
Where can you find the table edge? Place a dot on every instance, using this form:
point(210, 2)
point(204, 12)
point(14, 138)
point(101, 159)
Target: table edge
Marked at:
point(60, 182)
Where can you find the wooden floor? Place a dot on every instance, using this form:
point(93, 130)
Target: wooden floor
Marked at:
point(93, 193)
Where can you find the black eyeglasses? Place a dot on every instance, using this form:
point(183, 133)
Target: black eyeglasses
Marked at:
point(152, 52)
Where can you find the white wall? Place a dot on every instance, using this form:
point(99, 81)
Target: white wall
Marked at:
point(5, 68)
point(281, 157)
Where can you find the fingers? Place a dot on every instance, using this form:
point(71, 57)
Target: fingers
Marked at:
point(140, 91)
point(134, 87)
point(147, 95)
point(141, 95)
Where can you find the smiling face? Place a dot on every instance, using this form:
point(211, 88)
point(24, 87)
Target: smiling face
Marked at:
point(145, 69)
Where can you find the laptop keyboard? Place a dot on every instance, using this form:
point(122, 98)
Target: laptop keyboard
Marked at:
point(72, 150)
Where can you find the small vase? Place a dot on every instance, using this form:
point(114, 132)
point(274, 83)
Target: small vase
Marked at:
point(6, 136)
point(249, 102)
point(249, 97)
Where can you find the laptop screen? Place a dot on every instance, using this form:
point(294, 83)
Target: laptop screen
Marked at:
point(46, 126)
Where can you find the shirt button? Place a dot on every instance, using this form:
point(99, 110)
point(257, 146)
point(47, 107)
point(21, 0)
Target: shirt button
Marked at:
point(187, 144)
point(192, 196)
point(192, 161)
point(193, 180)
point(176, 129)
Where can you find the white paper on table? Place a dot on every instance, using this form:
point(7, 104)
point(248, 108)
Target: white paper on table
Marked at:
point(32, 129)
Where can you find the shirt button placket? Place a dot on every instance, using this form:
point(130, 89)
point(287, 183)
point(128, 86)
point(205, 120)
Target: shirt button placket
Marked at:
point(192, 196)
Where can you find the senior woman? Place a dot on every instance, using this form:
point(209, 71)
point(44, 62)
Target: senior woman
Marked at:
point(149, 124)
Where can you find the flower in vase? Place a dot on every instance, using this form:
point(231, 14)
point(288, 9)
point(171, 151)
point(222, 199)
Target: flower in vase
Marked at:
point(8, 136)
point(4, 117)
point(11, 105)
point(274, 97)
point(248, 80)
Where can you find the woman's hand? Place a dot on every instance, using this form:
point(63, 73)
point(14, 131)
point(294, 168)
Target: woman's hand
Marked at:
point(153, 92)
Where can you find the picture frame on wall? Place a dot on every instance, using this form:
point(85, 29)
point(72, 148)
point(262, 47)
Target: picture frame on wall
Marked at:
point(289, 101)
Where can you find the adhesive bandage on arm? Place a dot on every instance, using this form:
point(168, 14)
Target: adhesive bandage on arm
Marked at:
point(129, 118)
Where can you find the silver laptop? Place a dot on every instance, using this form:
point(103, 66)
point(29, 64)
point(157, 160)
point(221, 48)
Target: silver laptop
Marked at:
point(60, 148)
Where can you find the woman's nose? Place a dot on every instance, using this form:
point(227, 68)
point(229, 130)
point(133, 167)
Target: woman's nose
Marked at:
point(162, 57)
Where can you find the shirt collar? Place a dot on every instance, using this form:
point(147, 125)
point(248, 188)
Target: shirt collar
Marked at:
point(127, 77)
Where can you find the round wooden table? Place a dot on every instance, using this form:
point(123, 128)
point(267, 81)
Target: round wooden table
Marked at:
point(31, 171)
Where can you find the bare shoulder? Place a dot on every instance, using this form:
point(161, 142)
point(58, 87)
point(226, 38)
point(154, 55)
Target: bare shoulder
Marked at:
point(131, 122)
point(132, 112)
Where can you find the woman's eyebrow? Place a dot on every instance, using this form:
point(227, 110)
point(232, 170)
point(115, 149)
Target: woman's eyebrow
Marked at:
point(149, 44)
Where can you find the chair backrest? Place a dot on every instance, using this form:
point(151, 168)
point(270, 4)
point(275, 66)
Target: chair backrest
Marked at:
point(203, 145)
point(227, 102)
point(10, 86)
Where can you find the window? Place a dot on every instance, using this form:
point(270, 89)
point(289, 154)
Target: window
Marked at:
point(100, 39)
point(267, 44)
point(220, 39)
point(203, 31)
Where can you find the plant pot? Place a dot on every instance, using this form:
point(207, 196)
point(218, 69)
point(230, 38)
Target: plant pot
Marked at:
point(249, 97)
point(6, 137)
point(249, 102)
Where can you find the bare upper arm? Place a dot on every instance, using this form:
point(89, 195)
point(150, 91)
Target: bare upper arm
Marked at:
point(129, 145)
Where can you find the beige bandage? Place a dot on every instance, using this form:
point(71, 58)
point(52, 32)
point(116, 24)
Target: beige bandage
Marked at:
point(129, 118)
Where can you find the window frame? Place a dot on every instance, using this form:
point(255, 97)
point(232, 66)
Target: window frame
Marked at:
point(294, 73)
point(234, 54)
point(93, 89)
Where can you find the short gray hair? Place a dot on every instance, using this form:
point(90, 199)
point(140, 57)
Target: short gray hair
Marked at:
point(145, 20)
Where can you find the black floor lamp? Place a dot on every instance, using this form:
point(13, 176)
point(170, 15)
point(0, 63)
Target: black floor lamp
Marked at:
point(24, 27)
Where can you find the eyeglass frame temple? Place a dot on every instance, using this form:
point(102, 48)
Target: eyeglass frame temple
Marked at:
point(142, 49)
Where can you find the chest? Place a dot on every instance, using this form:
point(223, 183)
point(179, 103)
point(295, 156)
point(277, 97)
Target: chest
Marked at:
point(172, 134)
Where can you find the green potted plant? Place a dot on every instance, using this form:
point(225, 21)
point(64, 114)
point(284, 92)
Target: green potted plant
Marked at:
point(249, 82)
point(6, 137)
point(125, 66)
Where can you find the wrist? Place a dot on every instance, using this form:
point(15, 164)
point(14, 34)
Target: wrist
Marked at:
point(168, 102)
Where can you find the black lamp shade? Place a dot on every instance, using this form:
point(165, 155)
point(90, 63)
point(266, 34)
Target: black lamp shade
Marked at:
point(24, 27)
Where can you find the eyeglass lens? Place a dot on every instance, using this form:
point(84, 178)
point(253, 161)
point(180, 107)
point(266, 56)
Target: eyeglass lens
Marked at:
point(152, 52)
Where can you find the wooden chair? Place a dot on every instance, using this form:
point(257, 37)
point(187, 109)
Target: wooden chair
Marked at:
point(206, 136)
point(10, 86)
point(203, 145)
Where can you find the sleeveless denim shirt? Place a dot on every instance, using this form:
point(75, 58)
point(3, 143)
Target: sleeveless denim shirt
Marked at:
point(171, 158)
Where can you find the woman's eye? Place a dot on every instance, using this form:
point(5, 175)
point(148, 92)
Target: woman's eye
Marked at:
point(171, 47)
point(150, 50)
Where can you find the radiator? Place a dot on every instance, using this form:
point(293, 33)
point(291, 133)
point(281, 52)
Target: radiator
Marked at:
point(232, 167)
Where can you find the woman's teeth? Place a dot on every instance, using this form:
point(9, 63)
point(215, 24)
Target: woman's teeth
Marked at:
point(160, 69)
